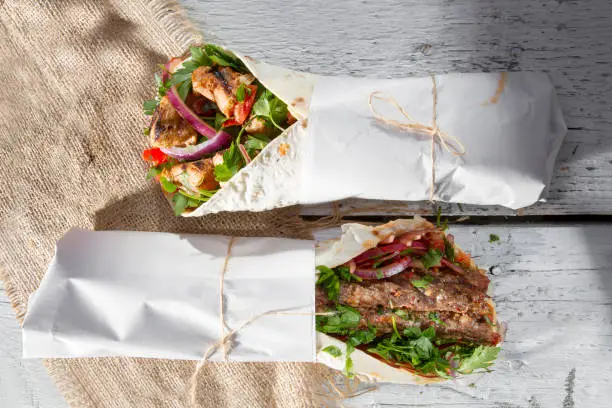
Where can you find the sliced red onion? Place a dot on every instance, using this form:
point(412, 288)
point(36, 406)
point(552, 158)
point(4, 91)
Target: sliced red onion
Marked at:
point(393, 247)
point(455, 268)
point(380, 260)
point(418, 245)
point(245, 154)
point(210, 146)
point(194, 120)
point(386, 271)
point(368, 254)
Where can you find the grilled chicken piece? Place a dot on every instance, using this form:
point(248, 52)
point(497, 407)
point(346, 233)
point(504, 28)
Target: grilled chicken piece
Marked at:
point(169, 129)
point(257, 125)
point(219, 84)
point(194, 175)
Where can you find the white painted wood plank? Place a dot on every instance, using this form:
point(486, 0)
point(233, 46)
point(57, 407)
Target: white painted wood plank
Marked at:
point(23, 383)
point(553, 286)
point(569, 39)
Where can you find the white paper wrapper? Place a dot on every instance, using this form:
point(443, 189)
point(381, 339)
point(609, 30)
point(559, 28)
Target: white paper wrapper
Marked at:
point(338, 150)
point(510, 145)
point(156, 295)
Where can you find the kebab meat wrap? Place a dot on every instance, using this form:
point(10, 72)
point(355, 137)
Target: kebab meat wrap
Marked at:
point(405, 304)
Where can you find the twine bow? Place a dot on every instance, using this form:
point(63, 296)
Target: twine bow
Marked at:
point(227, 337)
point(448, 142)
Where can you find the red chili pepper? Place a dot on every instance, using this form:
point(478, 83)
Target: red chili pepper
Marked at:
point(243, 109)
point(155, 156)
point(230, 122)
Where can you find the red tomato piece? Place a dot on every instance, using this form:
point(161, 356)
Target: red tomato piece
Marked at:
point(243, 109)
point(155, 156)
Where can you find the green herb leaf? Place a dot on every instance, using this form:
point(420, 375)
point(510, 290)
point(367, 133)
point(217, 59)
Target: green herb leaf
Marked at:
point(379, 274)
point(443, 225)
point(221, 57)
point(435, 317)
point(482, 357)
point(333, 351)
point(255, 143)
point(493, 238)
point(184, 88)
point(429, 332)
point(358, 337)
point(149, 106)
point(432, 258)
point(270, 107)
point(413, 332)
point(341, 323)
point(242, 92)
point(153, 172)
point(449, 250)
point(348, 366)
point(180, 203)
point(423, 282)
point(329, 279)
point(232, 163)
point(167, 185)
point(402, 313)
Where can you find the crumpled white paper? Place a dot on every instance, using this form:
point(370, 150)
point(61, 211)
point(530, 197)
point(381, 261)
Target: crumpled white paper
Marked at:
point(511, 144)
point(149, 294)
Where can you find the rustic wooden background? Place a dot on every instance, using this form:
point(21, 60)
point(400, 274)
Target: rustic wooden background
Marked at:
point(553, 283)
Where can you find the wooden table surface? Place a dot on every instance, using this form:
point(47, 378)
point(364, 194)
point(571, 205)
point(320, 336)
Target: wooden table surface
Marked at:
point(552, 283)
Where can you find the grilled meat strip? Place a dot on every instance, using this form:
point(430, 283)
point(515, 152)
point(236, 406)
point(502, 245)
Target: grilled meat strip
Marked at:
point(398, 292)
point(169, 129)
point(199, 174)
point(453, 325)
point(219, 84)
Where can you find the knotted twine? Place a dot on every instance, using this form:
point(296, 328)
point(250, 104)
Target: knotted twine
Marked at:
point(193, 380)
point(448, 142)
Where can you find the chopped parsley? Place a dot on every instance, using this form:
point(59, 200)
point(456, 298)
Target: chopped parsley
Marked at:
point(333, 351)
point(149, 106)
point(242, 92)
point(423, 282)
point(232, 163)
point(341, 323)
point(435, 317)
point(168, 186)
point(271, 108)
point(493, 238)
point(449, 250)
point(329, 279)
point(256, 142)
point(431, 258)
point(221, 57)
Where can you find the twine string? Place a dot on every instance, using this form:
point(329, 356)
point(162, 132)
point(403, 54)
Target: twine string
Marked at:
point(227, 337)
point(448, 142)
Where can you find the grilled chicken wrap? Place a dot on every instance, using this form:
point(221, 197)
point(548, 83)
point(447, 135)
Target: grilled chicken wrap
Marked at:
point(214, 113)
point(401, 302)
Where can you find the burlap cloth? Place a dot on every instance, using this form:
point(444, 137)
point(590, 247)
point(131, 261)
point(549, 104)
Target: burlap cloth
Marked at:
point(73, 75)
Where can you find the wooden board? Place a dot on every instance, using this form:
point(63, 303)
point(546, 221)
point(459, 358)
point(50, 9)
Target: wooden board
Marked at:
point(23, 383)
point(389, 38)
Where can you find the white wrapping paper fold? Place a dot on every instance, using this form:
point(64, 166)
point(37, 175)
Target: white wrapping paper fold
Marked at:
point(156, 295)
point(338, 150)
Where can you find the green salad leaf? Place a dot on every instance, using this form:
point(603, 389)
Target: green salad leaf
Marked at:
point(423, 282)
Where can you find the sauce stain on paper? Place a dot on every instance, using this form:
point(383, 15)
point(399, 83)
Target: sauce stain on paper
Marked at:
point(501, 85)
